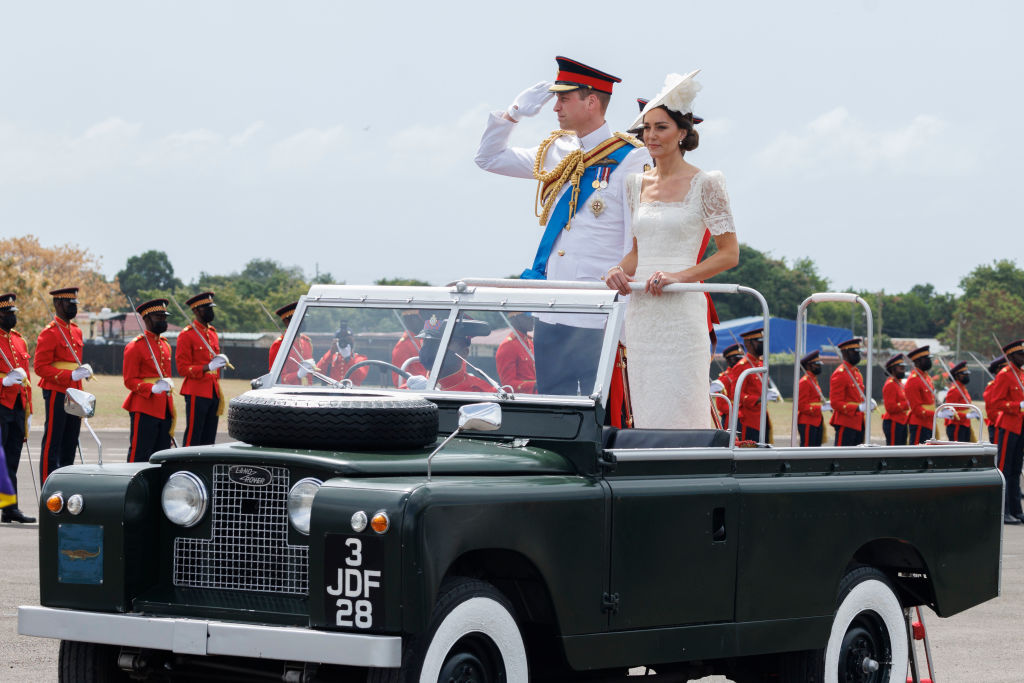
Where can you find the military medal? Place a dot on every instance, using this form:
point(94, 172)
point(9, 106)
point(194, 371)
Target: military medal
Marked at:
point(597, 204)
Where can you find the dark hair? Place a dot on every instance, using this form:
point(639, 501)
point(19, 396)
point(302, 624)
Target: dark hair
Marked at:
point(684, 121)
point(603, 98)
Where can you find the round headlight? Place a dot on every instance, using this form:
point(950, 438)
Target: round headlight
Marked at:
point(184, 499)
point(300, 502)
point(75, 504)
point(359, 521)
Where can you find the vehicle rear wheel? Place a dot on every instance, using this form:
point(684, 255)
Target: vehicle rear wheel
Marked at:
point(79, 662)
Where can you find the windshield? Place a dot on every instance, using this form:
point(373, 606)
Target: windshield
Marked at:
point(446, 349)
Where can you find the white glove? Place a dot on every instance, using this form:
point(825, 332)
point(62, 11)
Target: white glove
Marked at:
point(826, 407)
point(530, 101)
point(973, 414)
point(945, 413)
point(305, 367)
point(416, 382)
point(1022, 405)
point(217, 362)
point(83, 371)
point(717, 387)
point(773, 394)
point(865, 407)
point(161, 386)
point(874, 404)
point(346, 351)
point(28, 427)
point(15, 376)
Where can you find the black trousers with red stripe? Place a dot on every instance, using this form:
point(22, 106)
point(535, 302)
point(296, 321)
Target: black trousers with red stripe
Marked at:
point(916, 434)
point(12, 434)
point(812, 435)
point(895, 433)
point(148, 435)
point(201, 416)
point(958, 433)
point(1010, 455)
point(848, 436)
point(60, 436)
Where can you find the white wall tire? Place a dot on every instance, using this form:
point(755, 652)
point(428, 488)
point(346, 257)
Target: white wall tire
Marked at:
point(869, 625)
point(474, 621)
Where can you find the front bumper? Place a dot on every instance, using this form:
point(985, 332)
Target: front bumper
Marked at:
point(201, 637)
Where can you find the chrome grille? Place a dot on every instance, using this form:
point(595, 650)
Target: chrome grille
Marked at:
point(248, 547)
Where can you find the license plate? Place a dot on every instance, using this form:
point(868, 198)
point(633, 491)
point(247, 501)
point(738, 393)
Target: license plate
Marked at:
point(354, 573)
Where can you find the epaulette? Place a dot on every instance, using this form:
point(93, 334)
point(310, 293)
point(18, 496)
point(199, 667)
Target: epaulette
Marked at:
point(630, 139)
point(186, 328)
point(840, 369)
point(137, 338)
point(49, 325)
point(15, 333)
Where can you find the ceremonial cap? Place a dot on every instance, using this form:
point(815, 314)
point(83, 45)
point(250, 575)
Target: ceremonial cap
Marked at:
point(433, 328)
point(286, 312)
point(201, 299)
point(996, 363)
point(1013, 347)
point(811, 357)
point(153, 306)
point(573, 75)
point(753, 334)
point(677, 94)
point(67, 293)
point(733, 350)
point(7, 302)
point(920, 352)
point(894, 360)
point(958, 368)
point(343, 329)
point(852, 343)
point(642, 101)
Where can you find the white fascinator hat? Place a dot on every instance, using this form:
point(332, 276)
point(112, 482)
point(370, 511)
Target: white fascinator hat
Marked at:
point(677, 95)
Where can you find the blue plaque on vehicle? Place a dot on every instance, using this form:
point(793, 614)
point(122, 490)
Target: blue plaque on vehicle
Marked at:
point(354, 573)
point(80, 553)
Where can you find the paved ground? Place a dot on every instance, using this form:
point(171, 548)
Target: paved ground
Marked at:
point(982, 644)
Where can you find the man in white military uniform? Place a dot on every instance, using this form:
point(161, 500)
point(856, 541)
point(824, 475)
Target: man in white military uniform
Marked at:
point(582, 172)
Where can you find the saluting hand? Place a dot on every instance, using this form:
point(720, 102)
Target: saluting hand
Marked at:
point(530, 101)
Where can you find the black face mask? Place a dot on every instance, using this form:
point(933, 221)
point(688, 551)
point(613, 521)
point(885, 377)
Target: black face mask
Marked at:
point(925, 363)
point(899, 373)
point(814, 368)
point(70, 311)
point(757, 348)
point(8, 321)
point(204, 314)
point(159, 327)
point(963, 377)
point(852, 356)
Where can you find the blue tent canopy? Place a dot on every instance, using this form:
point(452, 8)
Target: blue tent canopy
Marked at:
point(781, 334)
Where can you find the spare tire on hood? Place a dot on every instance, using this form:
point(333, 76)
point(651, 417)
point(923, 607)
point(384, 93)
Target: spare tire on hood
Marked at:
point(332, 420)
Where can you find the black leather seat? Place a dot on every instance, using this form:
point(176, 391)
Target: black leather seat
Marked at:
point(664, 438)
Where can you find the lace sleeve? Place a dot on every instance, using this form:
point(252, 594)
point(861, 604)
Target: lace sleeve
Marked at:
point(633, 191)
point(715, 205)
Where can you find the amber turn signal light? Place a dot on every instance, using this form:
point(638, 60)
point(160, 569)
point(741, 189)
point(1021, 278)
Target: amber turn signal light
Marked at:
point(55, 503)
point(380, 522)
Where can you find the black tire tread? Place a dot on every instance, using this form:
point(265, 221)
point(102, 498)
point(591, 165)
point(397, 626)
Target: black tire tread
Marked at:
point(79, 662)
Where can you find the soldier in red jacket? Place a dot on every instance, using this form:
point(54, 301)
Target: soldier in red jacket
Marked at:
point(340, 358)
point(514, 356)
point(199, 361)
point(725, 383)
point(897, 409)
point(302, 348)
point(455, 373)
point(15, 399)
point(959, 420)
point(991, 414)
point(749, 424)
point(847, 395)
point(408, 346)
point(920, 392)
point(58, 362)
point(150, 401)
point(812, 402)
point(1007, 397)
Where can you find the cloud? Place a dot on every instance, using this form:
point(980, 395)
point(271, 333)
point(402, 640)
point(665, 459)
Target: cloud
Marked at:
point(308, 147)
point(838, 141)
point(440, 146)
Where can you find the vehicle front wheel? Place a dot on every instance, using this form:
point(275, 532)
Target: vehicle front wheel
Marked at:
point(473, 637)
point(88, 663)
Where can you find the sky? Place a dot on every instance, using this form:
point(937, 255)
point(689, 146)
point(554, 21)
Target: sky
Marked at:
point(878, 138)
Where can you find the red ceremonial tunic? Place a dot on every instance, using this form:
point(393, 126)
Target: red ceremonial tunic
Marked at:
point(302, 349)
point(515, 366)
point(894, 399)
point(335, 367)
point(1006, 397)
point(54, 361)
point(727, 380)
point(461, 380)
point(846, 393)
point(140, 375)
point(192, 357)
point(406, 347)
point(920, 392)
point(958, 394)
point(809, 409)
point(15, 351)
point(750, 398)
point(991, 414)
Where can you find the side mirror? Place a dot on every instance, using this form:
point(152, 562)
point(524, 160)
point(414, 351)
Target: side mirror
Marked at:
point(79, 403)
point(260, 381)
point(480, 417)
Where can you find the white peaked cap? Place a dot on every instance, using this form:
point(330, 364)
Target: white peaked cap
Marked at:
point(677, 95)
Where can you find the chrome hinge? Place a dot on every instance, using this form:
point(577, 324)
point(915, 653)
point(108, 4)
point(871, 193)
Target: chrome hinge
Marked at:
point(610, 602)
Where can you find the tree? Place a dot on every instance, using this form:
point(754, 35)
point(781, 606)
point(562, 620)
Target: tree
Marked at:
point(149, 270)
point(783, 287)
point(401, 282)
point(993, 302)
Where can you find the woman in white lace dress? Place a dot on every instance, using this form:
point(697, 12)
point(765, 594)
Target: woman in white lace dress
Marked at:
point(672, 205)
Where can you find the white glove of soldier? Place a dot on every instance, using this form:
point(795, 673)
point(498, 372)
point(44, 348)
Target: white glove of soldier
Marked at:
point(774, 395)
point(416, 382)
point(83, 371)
point(717, 387)
point(305, 367)
point(973, 414)
point(28, 427)
point(826, 407)
point(530, 101)
point(161, 386)
point(874, 404)
point(867, 406)
point(15, 376)
point(217, 362)
point(945, 413)
point(1022, 405)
